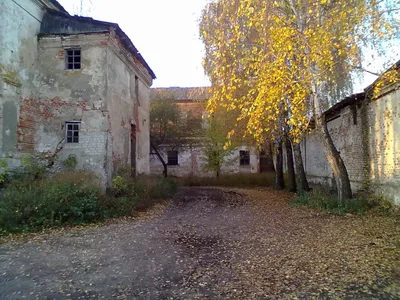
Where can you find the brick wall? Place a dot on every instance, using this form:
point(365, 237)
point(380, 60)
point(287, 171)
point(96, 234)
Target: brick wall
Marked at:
point(126, 109)
point(69, 95)
point(368, 138)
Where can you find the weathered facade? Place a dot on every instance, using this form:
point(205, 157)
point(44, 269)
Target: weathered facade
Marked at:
point(366, 132)
point(190, 160)
point(72, 85)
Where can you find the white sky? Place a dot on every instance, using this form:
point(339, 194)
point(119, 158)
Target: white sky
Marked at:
point(164, 31)
point(166, 34)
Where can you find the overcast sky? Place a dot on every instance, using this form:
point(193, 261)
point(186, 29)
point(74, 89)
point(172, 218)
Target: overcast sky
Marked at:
point(167, 35)
point(164, 31)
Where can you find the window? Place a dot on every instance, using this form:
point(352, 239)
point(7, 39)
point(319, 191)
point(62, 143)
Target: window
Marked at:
point(193, 121)
point(73, 59)
point(137, 88)
point(244, 158)
point(72, 132)
point(172, 158)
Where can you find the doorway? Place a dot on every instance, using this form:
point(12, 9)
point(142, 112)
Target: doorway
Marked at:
point(133, 150)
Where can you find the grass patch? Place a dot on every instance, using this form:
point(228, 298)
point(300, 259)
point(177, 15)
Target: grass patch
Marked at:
point(360, 204)
point(232, 180)
point(141, 193)
point(33, 200)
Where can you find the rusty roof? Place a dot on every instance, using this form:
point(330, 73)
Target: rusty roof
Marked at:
point(185, 93)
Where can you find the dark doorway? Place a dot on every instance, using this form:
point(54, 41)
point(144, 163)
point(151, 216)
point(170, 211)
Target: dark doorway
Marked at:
point(133, 150)
point(266, 162)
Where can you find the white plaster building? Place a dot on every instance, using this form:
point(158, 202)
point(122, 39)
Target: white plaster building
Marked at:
point(190, 161)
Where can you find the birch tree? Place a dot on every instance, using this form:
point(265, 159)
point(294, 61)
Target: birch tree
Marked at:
point(293, 56)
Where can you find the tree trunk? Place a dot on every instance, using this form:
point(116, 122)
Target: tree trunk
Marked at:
point(280, 182)
point(270, 156)
point(333, 156)
point(290, 166)
point(165, 165)
point(165, 171)
point(301, 179)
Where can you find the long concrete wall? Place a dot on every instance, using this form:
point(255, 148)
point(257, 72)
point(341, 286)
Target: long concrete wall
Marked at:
point(368, 138)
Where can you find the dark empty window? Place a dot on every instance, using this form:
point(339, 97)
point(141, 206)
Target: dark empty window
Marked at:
point(73, 59)
point(244, 158)
point(137, 88)
point(173, 158)
point(72, 132)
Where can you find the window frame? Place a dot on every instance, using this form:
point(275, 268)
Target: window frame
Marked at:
point(244, 158)
point(173, 161)
point(73, 55)
point(74, 138)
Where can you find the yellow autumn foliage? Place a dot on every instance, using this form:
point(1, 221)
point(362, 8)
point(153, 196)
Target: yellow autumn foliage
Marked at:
point(277, 61)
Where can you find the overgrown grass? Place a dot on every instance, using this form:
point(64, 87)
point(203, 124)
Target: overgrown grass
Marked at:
point(141, 193)
point(360, 204)
point(33, 200)
point(232, 180)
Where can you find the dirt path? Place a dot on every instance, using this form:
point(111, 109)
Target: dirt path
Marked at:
point(211, 244)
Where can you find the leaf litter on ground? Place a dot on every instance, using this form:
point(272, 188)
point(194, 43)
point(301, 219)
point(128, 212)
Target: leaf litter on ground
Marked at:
point(212, 243)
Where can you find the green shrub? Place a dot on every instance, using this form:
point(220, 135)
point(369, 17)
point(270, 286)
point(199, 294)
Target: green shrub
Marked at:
point(120, 185)
point(32, 168)
point(114, 207)
point(319, 199)
point(155, 187)
point(71, 162)
point(142, 191)
point(29, 206)
point(3, 171)
point(233, 180)
point(34, 199)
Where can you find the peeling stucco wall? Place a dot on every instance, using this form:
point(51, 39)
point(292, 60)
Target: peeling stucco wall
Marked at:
point(18, 63)
point(368, 138)
point(38, 95)
point(68, 95)
point(191, 163)
point(128, 106)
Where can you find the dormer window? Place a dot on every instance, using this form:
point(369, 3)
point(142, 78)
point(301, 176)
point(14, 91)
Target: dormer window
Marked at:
point(73, 59)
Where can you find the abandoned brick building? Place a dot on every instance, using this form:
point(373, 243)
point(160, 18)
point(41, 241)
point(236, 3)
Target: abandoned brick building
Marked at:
point(190, 161)
point(364, 127)
point(72, 85)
